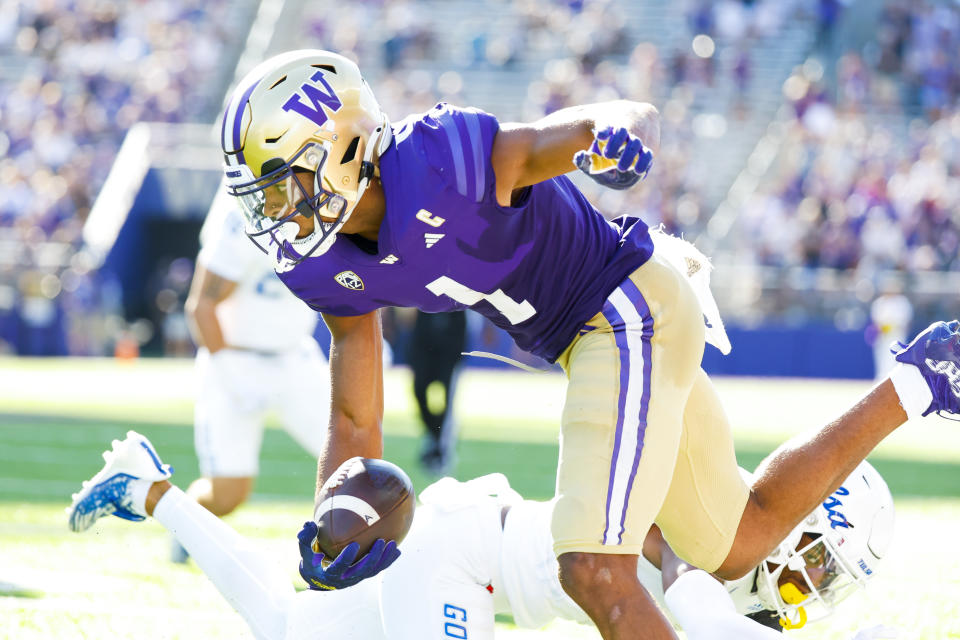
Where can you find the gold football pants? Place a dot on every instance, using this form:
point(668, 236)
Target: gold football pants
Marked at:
point(644, 437)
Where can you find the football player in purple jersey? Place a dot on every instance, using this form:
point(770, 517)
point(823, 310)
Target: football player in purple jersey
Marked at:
point(451, 209)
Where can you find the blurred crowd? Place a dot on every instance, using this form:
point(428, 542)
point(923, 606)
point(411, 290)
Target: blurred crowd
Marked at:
point(847, 195)
point(699, 80)
point(868, 175)
point(553, 53)
point(919, 41)
point(74, 76)
point(850, 189)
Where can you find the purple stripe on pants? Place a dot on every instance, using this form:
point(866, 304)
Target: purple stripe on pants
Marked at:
point(614, 320)
point(634, 295)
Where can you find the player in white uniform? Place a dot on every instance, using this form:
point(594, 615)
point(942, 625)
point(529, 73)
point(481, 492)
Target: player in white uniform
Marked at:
point(476, 549)
point(890, 316)
point(244, 366)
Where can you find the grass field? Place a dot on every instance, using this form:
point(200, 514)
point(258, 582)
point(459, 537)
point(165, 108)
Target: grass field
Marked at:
point(56, 416)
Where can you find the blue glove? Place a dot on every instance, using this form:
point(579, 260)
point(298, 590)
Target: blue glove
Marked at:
point(616, 159)
point(342, 572)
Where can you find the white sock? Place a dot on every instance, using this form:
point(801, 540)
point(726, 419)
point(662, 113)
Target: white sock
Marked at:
point(694, 589)
point(138, 494)
point(915, 395)
point(253, 584)
point(705, 610)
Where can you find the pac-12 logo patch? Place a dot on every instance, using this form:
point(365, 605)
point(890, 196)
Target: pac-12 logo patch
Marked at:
point(349, 280)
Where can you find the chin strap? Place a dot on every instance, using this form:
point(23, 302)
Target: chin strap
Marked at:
point(367, 171)
point(791, 595)
point(368, 168)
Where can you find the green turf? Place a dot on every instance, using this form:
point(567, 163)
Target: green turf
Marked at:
point(56, 416)
point(43, 456)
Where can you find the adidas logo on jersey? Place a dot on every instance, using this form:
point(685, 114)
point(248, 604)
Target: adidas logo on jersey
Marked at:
point(390, 259)
point(432, 238)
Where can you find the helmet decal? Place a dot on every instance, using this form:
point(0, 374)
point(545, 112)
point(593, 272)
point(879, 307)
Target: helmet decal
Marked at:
point(326, 97)
point(832, 506)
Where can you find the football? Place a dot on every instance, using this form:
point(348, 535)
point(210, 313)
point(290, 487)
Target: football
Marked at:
point(365, 499)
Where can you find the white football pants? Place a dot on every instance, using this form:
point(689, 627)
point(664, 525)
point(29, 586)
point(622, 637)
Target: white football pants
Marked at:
point(235, 392)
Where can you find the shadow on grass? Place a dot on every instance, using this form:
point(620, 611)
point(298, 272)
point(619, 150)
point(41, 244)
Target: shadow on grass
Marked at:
point(44, 458)
point(11, 590)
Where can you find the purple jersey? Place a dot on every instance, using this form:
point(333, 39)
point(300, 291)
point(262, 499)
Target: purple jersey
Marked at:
point(538, 270)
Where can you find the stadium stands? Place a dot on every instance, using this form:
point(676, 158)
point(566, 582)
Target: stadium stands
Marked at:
point(74, 77)
point(862, 186)
point(809, 145)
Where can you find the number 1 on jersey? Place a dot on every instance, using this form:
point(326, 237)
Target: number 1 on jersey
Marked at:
point(515, 312)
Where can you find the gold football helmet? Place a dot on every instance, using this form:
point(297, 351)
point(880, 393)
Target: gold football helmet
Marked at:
point(301, 117)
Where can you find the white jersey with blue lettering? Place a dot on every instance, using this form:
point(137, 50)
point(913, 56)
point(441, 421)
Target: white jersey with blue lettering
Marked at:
point(461, 564)
point(249, 316)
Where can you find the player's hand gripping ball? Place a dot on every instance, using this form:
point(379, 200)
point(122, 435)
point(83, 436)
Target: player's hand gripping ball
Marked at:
point(343, 572)
point(616, 158)
point(364, 509)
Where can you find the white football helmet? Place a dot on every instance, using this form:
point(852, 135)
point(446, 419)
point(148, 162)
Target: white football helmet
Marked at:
point(832, 553)
point(302, 116)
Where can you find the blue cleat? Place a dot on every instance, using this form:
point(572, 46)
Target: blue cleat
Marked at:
point(109, 492)
point(936, 354)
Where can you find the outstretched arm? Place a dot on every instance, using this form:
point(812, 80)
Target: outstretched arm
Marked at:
point(356, 377)
point(525, 154)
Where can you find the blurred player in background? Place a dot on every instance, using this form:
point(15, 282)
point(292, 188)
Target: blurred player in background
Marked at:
point(477, 549)
point(436, 343)
point(450, 209)
point(890, 316)
point(244, 366)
